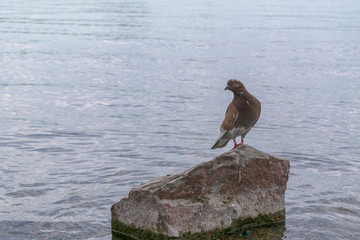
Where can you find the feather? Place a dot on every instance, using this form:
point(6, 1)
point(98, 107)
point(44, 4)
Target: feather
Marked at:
point(221, 140)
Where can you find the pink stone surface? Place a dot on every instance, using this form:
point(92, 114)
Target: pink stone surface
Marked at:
point(239, 184)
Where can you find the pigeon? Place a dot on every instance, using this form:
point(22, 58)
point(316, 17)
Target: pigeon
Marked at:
point(241, 115)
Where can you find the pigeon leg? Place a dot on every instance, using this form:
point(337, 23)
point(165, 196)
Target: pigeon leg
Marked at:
point(238, 144)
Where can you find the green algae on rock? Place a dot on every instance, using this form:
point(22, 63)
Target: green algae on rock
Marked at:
point(123, 232)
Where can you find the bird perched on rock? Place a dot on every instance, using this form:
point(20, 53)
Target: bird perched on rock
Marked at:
point(241, 115)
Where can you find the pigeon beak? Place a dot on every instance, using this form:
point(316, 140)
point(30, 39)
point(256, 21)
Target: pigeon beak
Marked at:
point(227, 88)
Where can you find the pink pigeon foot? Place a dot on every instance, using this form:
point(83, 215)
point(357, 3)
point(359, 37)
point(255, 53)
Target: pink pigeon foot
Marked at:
point(238, 144)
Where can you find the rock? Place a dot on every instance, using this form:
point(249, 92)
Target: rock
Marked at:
point(242, 186)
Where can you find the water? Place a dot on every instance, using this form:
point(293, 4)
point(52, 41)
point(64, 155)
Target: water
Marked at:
point(99, 96)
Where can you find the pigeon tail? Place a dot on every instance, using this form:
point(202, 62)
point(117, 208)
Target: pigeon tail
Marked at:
point(222, 139)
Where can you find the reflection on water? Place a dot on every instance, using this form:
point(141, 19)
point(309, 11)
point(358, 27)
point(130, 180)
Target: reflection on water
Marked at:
point(98, 97)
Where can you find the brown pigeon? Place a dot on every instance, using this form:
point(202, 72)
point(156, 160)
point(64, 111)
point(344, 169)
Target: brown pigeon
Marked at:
point(241, 115)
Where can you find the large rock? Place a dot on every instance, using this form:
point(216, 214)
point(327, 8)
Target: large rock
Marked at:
point(241, 186)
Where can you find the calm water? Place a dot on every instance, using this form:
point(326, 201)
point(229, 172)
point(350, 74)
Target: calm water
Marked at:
point(99, 96)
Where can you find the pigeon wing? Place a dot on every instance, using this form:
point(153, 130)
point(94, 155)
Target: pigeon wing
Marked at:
point(230, 117)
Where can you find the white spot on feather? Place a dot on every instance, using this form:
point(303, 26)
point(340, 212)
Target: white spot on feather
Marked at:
point(237, 132)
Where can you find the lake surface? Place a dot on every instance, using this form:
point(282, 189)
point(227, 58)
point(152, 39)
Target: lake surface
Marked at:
point(99, 96)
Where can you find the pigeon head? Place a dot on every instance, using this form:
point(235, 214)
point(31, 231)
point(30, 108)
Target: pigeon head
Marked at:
point(236, 87)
